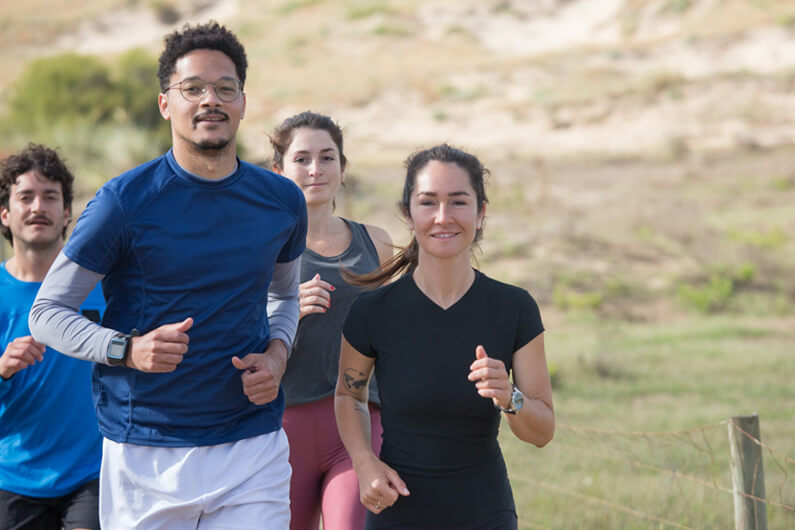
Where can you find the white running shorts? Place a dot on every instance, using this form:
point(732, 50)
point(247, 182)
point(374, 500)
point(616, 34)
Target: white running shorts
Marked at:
point(240, 485)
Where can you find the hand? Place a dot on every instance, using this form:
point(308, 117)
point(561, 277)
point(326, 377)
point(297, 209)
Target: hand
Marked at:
point(20, 353)
point(379, 485)
point(160, 350)
point(262, 372)
point(491, 378)
point(314, 296)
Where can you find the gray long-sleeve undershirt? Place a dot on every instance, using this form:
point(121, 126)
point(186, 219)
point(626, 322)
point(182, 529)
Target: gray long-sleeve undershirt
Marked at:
point(55, 317)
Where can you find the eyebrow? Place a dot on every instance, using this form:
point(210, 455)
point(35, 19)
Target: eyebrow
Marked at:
point(46, 191)
point(326, 150)
point(451, 194)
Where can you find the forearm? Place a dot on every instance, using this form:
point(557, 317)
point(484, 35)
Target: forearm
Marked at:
point(535, 423)
point(283, 302)
point(55, 319)
point(353, 423)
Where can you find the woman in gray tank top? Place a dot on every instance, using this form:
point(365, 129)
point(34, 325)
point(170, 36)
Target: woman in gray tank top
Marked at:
point(308, 150)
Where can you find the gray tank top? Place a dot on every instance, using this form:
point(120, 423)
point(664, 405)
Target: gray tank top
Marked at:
point(312, 369)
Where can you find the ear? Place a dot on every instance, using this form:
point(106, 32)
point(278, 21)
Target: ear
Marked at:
point(162, 104)
point(67, 214)
point(243, 112)
point(481, 215)
point(276, 169)
point(4, 216)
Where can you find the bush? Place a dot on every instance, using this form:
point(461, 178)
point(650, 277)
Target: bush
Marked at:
point(64, 89)
point(74, 92)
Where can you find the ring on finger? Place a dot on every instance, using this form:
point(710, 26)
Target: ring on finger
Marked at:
point(378, 505)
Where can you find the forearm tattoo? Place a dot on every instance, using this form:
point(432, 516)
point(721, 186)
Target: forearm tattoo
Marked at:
point(354, 379)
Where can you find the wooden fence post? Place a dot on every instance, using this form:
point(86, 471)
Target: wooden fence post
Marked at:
point(748, 477)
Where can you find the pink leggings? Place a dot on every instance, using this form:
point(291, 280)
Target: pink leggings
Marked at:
point(323, 478)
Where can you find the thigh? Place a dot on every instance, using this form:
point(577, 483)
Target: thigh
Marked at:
point(306, 472)
point(247, 484)
point(157, 488)
point(80, 508)
point(19, 512)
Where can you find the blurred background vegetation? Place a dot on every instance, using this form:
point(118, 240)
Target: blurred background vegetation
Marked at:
point(643, 175)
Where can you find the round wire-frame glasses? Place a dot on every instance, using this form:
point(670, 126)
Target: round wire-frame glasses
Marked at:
point(194, 89)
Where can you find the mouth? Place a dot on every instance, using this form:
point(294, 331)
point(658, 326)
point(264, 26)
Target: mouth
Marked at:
point(215, 116)
point(444, 235)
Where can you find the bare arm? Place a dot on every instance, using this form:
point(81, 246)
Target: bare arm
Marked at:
point(379, 485)
point(382, 241)
point(535, 422)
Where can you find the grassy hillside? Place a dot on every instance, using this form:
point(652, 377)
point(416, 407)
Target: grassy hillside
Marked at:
point(642, 189)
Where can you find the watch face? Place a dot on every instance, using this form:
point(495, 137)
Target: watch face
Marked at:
point(517, 398)
point(118, 345)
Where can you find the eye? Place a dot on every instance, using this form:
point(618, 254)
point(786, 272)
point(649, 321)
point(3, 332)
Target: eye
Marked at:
point(299, 159)
point(228, 90)
point(192, 89)
point(329, 158)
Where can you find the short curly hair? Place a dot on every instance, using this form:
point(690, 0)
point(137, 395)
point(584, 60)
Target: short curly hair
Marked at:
point(41, 159)
point(210, 36)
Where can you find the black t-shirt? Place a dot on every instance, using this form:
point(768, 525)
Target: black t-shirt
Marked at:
point(439, 434)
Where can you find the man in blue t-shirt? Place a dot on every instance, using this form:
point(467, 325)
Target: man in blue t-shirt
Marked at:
point(50, 447)
point(198, 253)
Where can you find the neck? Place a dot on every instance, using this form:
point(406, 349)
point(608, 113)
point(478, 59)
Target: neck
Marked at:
point(206, 163)
point(444, 281)
point(320, 221)
point(31, 265)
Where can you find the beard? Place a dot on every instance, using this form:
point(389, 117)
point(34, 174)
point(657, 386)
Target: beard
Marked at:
point(212, 146)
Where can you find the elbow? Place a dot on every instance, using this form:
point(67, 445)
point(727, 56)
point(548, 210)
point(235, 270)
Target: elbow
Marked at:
point(34, 319)
point(544, 439)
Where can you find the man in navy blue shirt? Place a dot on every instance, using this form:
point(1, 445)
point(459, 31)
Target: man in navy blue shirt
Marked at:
point(50, 447)
point(198, 253)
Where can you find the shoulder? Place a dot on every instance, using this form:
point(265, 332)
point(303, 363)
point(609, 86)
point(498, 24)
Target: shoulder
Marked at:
point(382, 241)
point(505, 291)
point(277, 188)
point(138, 184)
point(380, 297)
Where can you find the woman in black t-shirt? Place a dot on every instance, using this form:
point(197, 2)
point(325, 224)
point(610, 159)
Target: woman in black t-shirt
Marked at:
point(442, 339)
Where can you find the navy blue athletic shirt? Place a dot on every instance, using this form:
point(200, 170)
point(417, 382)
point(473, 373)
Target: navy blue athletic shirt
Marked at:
point(172, 245)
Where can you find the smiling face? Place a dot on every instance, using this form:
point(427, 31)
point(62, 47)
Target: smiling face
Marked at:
point(312, 161)
point(444, 211)
point(35, 214)
point(208, 124)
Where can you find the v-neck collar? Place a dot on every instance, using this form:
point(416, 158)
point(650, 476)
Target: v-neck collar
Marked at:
point(455, 304)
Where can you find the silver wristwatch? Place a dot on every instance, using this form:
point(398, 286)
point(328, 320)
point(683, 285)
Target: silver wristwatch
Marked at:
point(517, 402)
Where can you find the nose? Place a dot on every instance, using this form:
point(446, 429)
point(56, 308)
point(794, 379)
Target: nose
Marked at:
point(314, 167)
point(442, 214)
point(37, 204)
point(210, 95)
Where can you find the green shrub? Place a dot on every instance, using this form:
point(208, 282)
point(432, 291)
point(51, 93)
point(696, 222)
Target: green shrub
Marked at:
point(68, 88)
point(138, 87)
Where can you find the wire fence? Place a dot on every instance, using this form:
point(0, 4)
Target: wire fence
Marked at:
point(634, 479)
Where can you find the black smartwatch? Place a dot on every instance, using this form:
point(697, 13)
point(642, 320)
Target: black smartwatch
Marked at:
point(119, 348)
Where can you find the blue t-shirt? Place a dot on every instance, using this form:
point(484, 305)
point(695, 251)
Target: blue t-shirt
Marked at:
point(49, 441)
point(172, 245)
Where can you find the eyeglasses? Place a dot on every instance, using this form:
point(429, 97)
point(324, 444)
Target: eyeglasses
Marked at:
point(194, 89)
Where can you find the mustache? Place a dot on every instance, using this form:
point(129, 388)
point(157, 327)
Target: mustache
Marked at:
point(39, 219)
point(214, 112)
